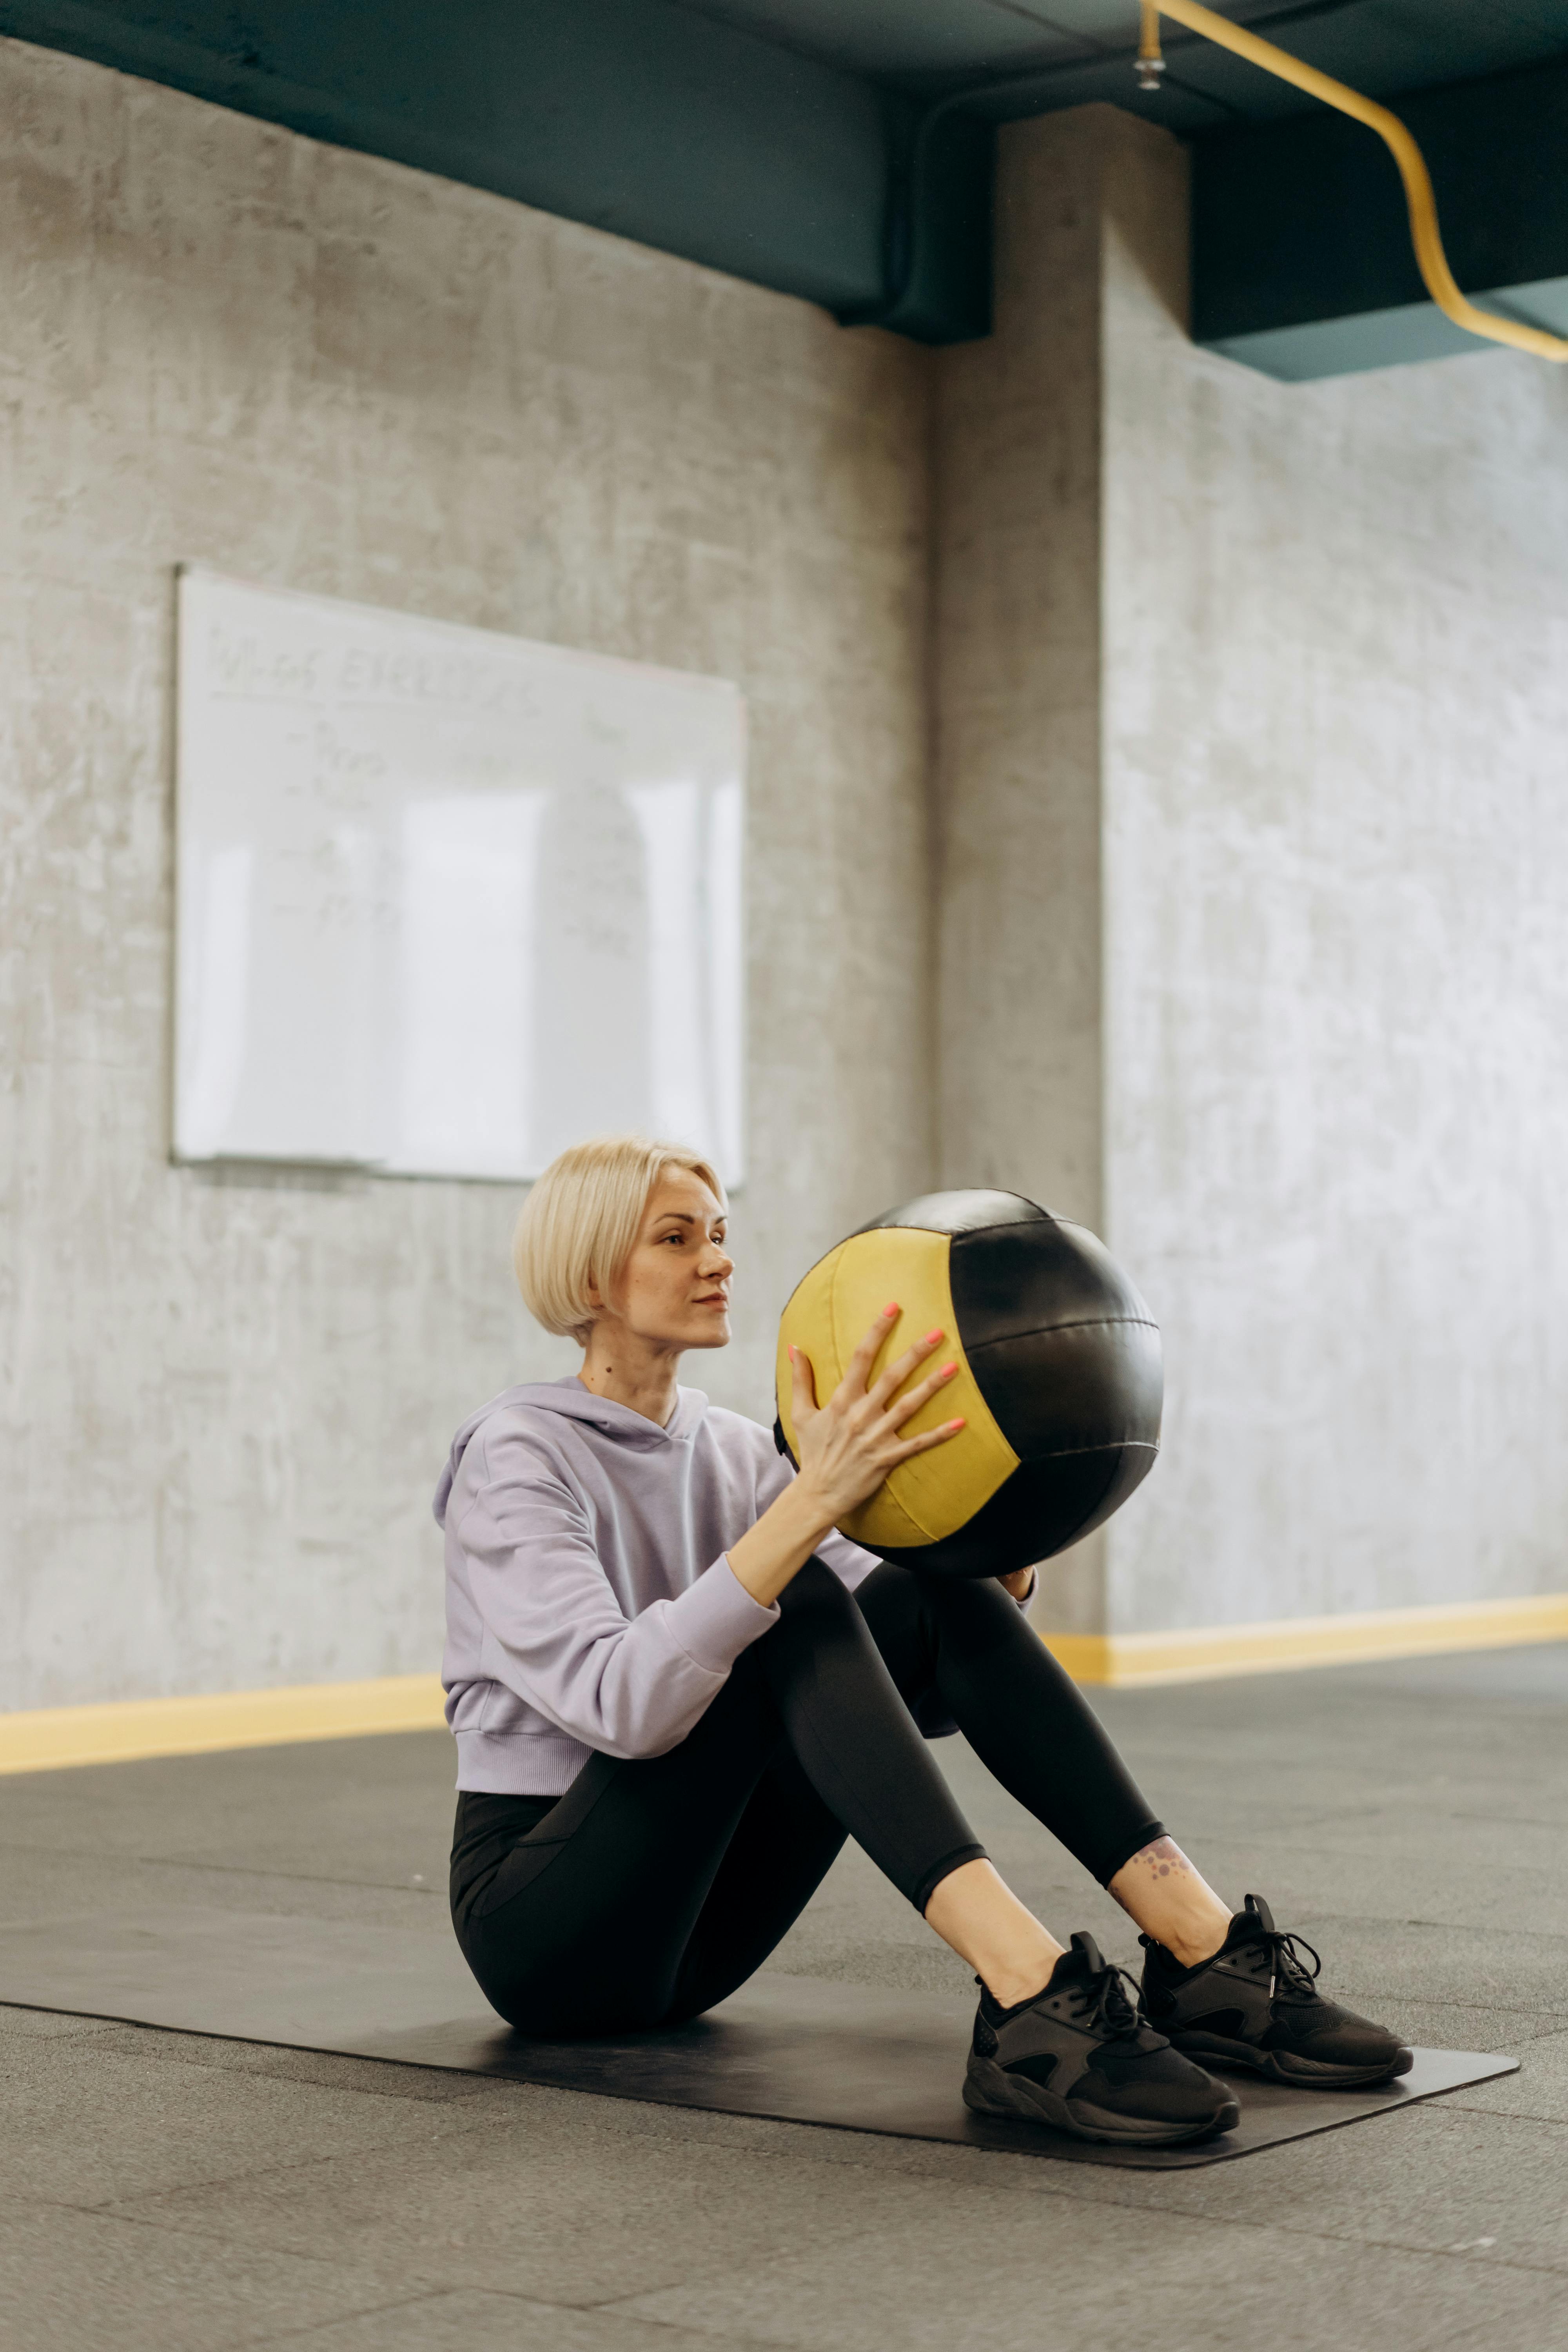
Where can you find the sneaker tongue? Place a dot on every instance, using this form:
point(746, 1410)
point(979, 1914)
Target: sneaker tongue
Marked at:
point(1257, 1914)
point(1086, 1952)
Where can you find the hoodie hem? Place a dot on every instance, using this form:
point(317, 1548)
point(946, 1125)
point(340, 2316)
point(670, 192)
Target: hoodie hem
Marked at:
point(520, 1764)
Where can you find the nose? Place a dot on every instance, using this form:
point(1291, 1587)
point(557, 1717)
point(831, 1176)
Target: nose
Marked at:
point(718, 1267)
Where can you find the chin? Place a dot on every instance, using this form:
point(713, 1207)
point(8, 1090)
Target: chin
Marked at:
point(717, 1335)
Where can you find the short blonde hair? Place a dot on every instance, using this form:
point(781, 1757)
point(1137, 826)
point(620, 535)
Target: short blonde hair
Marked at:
point(578, 1223)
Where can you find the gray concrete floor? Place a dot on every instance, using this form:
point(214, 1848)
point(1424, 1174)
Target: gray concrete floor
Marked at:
point(167, 2190)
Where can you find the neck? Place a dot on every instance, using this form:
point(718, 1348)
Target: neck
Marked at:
point(625, 1368)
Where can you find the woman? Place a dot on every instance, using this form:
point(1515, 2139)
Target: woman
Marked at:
point(676, 1689)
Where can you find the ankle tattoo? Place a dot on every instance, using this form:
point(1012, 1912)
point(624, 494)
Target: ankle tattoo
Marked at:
point(1162, 1859)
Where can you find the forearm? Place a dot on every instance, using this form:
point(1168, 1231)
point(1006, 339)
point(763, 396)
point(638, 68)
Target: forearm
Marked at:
point(778, 1546)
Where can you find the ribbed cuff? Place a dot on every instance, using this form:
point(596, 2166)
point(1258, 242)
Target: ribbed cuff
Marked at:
point(716, 1618)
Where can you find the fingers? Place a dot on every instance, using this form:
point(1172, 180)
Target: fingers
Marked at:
point(910, 1446)
point(898, 1372)
point(858, 1370)
point(904, 1408)
point(803, 1380)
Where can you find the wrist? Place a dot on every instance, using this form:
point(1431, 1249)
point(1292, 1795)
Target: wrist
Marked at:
point(806, 1509)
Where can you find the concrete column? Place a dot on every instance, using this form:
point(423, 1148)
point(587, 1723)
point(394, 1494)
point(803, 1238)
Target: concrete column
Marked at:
point(1018, 734)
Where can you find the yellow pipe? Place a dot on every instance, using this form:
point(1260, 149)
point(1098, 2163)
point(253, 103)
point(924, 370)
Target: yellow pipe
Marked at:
point(1431, 259)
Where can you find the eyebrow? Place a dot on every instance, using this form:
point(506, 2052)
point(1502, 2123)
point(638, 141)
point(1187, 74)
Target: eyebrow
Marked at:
point(685, 1217)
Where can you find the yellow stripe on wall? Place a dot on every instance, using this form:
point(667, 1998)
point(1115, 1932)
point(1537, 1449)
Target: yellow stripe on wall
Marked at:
point(1205, 1652)
point(119, 1732)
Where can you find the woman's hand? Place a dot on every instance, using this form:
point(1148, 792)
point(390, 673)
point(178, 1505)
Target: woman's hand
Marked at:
point(847, 1446)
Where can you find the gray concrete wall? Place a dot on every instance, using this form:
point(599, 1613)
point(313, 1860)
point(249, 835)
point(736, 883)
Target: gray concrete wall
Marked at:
point(1255, 846)
point(227, 1396)
point(1336, 859)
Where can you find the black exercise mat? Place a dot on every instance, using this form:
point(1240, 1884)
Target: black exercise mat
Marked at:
point(790, 2048)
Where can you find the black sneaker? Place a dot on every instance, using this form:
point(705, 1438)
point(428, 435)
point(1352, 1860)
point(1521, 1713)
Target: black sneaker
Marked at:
point(1255, 2004)
point(1080, 2058)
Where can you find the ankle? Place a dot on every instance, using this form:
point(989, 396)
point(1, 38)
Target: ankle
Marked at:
point(977, 1913)
point(1190, 1946)
point(1007, 1986)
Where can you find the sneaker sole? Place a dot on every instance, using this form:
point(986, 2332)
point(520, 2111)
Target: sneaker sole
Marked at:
point(1276, 2066)
point(990, 2090)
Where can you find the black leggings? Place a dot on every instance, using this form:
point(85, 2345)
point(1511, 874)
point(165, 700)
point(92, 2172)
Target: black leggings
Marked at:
point(654, 1887)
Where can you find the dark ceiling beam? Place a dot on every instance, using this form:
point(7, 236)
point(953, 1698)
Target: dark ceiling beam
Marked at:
point(682, 131)
point(637, 116)
point(1301, 256)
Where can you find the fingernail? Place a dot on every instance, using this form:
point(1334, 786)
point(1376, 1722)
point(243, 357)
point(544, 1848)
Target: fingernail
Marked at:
point(792, 1355)
point(892, 1309)
point(956, 1424)
point(948, 1370)
point(933, 1336)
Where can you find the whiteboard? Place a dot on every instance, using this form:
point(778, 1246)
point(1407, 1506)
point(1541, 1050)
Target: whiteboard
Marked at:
point(448, 900)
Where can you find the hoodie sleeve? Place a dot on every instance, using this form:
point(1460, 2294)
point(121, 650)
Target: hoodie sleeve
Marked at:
point(555, 1633)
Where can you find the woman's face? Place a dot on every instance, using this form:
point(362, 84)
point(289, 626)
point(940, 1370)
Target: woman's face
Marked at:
point(674, 1289)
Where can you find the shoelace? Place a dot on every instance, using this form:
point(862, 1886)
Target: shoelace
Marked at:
point(1287, 1956)
point(1105, 2005)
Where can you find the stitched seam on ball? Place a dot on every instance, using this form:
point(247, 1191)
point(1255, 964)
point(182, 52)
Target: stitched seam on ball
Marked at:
point(918, 1519)
point(970, 1233)
point(897, 1501)
point(1115, 1446)
point(1082, 1323)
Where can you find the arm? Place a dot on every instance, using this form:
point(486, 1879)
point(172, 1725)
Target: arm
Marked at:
point(554, 1631)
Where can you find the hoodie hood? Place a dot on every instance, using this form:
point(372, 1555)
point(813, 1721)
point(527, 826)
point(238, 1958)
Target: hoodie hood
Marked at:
point(571, 1401)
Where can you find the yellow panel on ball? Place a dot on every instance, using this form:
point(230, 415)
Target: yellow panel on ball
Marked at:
point(938, 1492)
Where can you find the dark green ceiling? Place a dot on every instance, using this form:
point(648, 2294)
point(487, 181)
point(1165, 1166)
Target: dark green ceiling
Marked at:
point(841, 148)
point(1074, 51)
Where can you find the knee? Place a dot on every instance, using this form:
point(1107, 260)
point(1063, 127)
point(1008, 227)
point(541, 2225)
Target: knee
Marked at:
point(963, 1596)
point(816, 1614)
point(972, 1610)
point(816, 1593)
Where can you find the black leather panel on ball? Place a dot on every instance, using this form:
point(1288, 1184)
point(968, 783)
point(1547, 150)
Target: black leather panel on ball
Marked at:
point(1018, 1277)
point(961, 1212)
point(1082, 1385)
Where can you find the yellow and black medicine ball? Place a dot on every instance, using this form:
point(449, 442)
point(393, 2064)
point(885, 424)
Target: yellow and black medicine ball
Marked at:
point(1059, 1378)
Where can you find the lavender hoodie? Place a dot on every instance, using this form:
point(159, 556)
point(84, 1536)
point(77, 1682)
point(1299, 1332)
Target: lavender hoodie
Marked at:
point(589, 1601)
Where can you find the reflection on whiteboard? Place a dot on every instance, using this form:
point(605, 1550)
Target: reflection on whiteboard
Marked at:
point(448, 901)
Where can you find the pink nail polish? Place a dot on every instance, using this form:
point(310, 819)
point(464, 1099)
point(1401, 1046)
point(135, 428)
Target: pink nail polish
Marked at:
point(933, 1336)
point(892, 1309)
